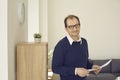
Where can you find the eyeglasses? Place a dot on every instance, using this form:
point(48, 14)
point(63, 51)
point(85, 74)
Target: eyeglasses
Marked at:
point(72, 26)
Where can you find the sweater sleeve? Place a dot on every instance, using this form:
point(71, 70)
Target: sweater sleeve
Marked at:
point(89, 62)
point(58, 62)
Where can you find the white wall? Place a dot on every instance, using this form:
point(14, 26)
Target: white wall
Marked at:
point(33, 19)
point(43, 16)
point(99, 24)
point(3, 41)
point(16, 32)
point(37, 19)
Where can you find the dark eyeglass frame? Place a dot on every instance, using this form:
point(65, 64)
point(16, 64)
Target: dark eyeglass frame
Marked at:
point(73, 26)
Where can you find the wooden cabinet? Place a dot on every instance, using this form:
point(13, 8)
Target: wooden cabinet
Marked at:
point(32, 61)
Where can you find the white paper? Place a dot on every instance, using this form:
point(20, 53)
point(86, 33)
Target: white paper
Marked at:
point(91, 70)
point(104, 65)
point(118, 78)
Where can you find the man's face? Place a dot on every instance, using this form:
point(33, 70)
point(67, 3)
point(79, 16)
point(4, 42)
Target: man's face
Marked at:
point(73, 27)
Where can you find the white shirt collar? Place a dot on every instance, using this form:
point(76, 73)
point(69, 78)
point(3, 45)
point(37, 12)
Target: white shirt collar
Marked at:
point(71, 40)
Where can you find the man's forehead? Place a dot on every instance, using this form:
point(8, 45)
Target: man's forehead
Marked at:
point(72, 20)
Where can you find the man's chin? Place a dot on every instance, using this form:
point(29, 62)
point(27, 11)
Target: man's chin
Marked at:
point(75, 35)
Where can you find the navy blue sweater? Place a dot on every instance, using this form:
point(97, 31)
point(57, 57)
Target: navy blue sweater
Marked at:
point(67, 57)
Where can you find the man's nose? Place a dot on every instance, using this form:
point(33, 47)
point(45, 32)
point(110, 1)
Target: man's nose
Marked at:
point(74, 28)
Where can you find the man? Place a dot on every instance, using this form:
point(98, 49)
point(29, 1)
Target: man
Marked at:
point(70, 56)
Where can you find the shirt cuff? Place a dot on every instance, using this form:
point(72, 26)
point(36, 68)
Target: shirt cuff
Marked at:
point(75, 71)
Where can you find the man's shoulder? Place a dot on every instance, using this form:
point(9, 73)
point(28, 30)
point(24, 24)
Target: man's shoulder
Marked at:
point(83, 39)
point(63, 41)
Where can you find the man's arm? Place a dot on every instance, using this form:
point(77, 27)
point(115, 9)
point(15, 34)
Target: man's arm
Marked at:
point(58, 62)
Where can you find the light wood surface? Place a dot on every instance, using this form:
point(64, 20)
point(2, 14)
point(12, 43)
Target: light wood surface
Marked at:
point(32, 61)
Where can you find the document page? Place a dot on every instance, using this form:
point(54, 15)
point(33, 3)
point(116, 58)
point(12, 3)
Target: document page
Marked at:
point(102, 66)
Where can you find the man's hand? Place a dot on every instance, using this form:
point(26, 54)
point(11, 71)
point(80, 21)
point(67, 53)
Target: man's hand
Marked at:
point(97, 67)
point(82, 72)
